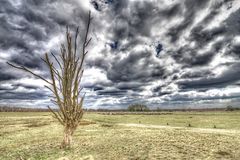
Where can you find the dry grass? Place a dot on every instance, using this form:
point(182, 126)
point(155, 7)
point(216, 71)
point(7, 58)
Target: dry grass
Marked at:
point(105, 140)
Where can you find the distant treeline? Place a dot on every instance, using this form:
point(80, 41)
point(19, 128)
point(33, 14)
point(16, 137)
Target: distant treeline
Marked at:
point(145, 109)
point(131, 108)
point(21, 109)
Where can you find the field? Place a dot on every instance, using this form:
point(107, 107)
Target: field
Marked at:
point(173, 135)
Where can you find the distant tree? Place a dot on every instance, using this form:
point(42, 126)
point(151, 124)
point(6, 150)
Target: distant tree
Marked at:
point(137, 108)
point(158, 109)
point(230, 108)
point(65, 82)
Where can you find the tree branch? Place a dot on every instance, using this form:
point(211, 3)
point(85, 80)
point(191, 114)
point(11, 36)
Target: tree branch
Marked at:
point(29, 71)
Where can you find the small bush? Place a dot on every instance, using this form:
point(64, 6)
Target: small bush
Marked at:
point(138, 108)
point(229, 108)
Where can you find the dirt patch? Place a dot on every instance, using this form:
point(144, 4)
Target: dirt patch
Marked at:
point(106, 125)
point(223, 153)
point(86, 122)
point(36, 125)
point(135, 113)
point(202, 130)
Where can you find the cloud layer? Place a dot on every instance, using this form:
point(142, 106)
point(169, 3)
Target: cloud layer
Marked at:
point(161, 53)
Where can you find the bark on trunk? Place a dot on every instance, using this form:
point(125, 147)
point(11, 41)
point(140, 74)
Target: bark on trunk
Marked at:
point(67, 139)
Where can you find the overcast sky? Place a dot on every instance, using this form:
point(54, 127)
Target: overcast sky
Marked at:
point(163, 53)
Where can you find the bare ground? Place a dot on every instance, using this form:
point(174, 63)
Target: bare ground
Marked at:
point(199, 130)
point(29, 136)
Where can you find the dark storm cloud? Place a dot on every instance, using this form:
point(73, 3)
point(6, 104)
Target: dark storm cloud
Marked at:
point(171, 11)
point(134, 25)
point(30, 25)
point(96, 87)
point(196, 74)
point(190, 57)
point(5, 75)
point(228, 77)
point(25, 86)
point(134, 86)
point(100, 62)
point(27, 60)
point(158, 91)
point(184, 98)
point(25, 31)
point(192, 7)
point(233, 22)
point(13, 87)
point(142, 49)
point(130, 68)
point(235, 50)
point(202, 37)
point(112, 92)
point(22, 95)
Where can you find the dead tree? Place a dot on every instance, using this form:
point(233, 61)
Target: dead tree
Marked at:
point(64, 82)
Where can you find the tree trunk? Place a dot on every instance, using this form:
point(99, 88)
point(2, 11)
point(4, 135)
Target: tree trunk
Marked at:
point(67, 139)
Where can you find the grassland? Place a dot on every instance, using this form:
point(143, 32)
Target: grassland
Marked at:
point(211, 135)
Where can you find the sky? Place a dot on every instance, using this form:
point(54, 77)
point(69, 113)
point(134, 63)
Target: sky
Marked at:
point(161, 53)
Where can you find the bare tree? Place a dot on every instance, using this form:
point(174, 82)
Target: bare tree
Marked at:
point(64, 82)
